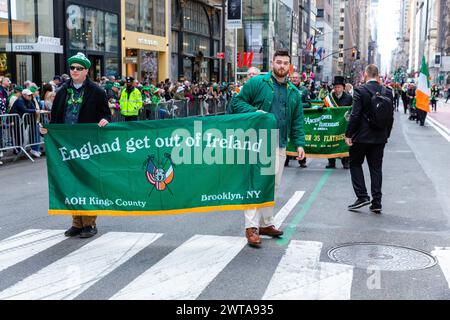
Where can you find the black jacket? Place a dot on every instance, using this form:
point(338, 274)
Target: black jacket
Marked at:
point(93, 109)
point(22, 106)
point(346, 100)
point(358, 127)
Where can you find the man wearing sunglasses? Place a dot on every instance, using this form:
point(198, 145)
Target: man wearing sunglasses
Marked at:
point(80, 100)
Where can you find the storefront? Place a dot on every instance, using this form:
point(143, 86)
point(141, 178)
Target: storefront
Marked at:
point(195, 41)
point(28, 44)
point(93, 28)
point(145, 46)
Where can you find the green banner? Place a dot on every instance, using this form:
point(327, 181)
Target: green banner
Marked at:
point(324, 133)
point(162, 167)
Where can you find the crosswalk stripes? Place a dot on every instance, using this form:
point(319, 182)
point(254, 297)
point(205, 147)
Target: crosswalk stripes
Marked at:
point(301, 276)
point(26, 244)
point(73, 274)
point(182, 274)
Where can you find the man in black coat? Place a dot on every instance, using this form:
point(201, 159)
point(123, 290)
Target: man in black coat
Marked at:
point(80, 101)
point(367, 142)
point(339, 98)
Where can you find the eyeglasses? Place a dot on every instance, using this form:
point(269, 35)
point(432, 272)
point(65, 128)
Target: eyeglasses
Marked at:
point(77, 68)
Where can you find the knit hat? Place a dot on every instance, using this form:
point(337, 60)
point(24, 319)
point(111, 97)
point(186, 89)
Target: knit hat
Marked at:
point(81, 59)
point(116, 84)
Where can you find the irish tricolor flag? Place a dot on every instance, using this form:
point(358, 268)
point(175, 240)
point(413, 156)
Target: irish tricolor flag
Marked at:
point(423, 91)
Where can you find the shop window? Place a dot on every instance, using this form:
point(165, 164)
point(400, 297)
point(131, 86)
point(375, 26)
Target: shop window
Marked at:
point(112, 66)
point(75, 26)
point(149, 66)
point(146, 16)
point(95, 30)
point(24, 24)
point(111, 33)
point(132, 14)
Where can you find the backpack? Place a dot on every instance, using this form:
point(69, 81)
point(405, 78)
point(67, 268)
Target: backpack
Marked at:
point(381, 110)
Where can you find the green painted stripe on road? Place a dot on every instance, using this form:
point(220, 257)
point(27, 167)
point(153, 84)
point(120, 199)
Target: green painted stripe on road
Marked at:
point(290, 230)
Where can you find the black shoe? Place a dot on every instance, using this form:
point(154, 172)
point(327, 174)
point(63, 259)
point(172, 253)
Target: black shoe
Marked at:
point(286, 163)
point(302, 164)
point(330, 166)
point(72, 232)
point(88, 232)
point(359, 203)
point(375, 207)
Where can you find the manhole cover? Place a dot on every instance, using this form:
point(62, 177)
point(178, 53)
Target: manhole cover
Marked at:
point(383, 257)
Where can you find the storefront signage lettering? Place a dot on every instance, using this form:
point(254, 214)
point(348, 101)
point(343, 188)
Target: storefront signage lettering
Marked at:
point(44, 45)
point(148, 42)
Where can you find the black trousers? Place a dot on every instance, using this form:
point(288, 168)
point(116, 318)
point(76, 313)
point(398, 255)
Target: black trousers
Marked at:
point(421, 116)
point(374, 155)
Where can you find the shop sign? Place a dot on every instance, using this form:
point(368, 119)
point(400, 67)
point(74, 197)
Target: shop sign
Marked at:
point(234, 14)
point(44, 45)
point(130, 60)
point(148, 42)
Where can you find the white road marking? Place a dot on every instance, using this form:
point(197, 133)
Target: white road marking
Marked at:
point(26, 244)
point(443, 257)
point(287, 208)
point(186, 271)
point(439, 128)
point(73, 274)
point(301, 276)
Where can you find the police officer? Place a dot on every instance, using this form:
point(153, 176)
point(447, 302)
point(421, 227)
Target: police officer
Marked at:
point(130, 101)
point(338, 98)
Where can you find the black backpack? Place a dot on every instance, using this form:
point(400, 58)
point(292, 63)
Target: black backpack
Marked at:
point(381, 110)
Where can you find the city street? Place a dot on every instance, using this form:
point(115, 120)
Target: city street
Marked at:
point(327, 252)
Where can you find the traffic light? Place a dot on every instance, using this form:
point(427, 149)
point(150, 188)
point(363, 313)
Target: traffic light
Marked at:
point(358, 55)
point(354, 53)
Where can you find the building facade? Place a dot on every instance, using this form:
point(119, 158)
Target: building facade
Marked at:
point(195, 40)
point(145, 40)
point(324, 71)
point(90, 27)
point(29, 45)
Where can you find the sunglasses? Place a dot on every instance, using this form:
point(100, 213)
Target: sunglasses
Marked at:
point(77, 68)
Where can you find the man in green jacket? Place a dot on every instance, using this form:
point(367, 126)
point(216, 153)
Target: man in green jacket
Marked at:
point(273, 93)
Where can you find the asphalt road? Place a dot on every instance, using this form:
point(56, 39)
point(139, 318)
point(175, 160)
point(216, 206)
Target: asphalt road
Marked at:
point(205, 256)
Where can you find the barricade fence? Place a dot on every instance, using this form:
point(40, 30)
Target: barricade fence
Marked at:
point(176, 109)
point(21, 134)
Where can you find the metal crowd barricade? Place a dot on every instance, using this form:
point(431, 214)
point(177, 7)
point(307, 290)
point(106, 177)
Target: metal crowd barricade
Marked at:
point(194, 107)
point(179, 108)
point(211, 107)
point(221, 106)
point(11, 135)
point(30, 130)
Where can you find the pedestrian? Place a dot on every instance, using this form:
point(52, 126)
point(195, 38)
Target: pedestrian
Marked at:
point(367, 134)
point(448, 94)
point(80, 100)
point(275, 94)
point(306, 101)
point(23, 105)
point(434, 97)
point(338, 98)
point(130, 100)
point(405, 97)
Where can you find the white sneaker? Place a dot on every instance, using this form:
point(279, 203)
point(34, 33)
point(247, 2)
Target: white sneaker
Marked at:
point(35, 153)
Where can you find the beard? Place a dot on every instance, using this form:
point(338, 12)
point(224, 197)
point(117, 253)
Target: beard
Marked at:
point(280, 72)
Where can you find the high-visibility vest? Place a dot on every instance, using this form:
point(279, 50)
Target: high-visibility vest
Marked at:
point(130, 105)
